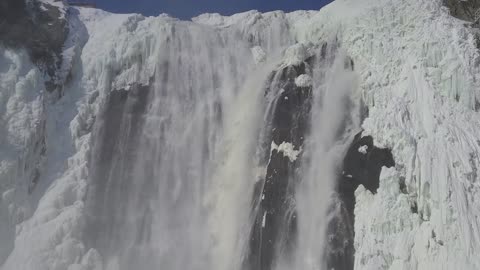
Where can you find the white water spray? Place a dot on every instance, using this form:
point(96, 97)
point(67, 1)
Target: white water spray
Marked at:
point(178, 192)
point(334, 112)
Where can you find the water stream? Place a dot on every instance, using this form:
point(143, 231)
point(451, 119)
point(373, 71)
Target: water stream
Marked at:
point(182, 166)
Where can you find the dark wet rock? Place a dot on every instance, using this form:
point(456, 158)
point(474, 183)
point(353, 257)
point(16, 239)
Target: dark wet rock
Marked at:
point(275, 224)
point(414, 208)
point(365, 167)
point(274, 232)
point(37, 27)
point(463, 9)
point(274, 229)
point(402, 185)
point(362, 165)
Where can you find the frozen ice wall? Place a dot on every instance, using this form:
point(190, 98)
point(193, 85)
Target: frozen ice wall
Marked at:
point(22, 146)
point(419, 71)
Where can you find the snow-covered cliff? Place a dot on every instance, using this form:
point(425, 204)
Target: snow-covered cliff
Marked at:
point(202, 94)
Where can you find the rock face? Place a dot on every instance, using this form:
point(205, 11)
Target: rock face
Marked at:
point(463, 9)
point(39, 27)
point(362, 166)
point(274, 231)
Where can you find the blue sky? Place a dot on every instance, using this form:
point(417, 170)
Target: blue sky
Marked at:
point(185, 9)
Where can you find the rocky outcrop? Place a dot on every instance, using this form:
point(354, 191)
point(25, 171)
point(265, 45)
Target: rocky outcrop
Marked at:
point(40, 28)
point(463, 9)
point(361, 166)
point(274, 231)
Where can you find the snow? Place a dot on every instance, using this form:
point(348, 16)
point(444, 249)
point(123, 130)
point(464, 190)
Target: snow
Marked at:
point(303, 80)
point(56, 3)
point(418, 74)
point(295, 55)
point(48, 214)
point(217, 20)
point(59, 4)
point(363, 149)
point(287, 149)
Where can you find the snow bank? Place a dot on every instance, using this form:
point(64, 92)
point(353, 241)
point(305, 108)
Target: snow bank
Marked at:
point(295, 55)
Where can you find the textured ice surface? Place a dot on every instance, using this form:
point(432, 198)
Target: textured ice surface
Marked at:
point(418, 71)
point(22, 109)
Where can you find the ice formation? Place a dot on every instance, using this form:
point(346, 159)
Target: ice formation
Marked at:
point(415, 68)
point(303, 80)
point(363, 149)
point(287, 149)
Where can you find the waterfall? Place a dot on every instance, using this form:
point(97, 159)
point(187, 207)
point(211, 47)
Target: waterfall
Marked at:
point(173, 159)
point(219, 162)
point(234, 142)
point(335, 121)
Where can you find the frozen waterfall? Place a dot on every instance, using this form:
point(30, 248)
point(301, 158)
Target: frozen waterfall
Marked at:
point(256, 141)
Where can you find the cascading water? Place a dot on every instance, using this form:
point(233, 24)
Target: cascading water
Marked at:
point(313, 117)
point(173, 161)
point(133, 142)
point(185, 166)
point(334, 122)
